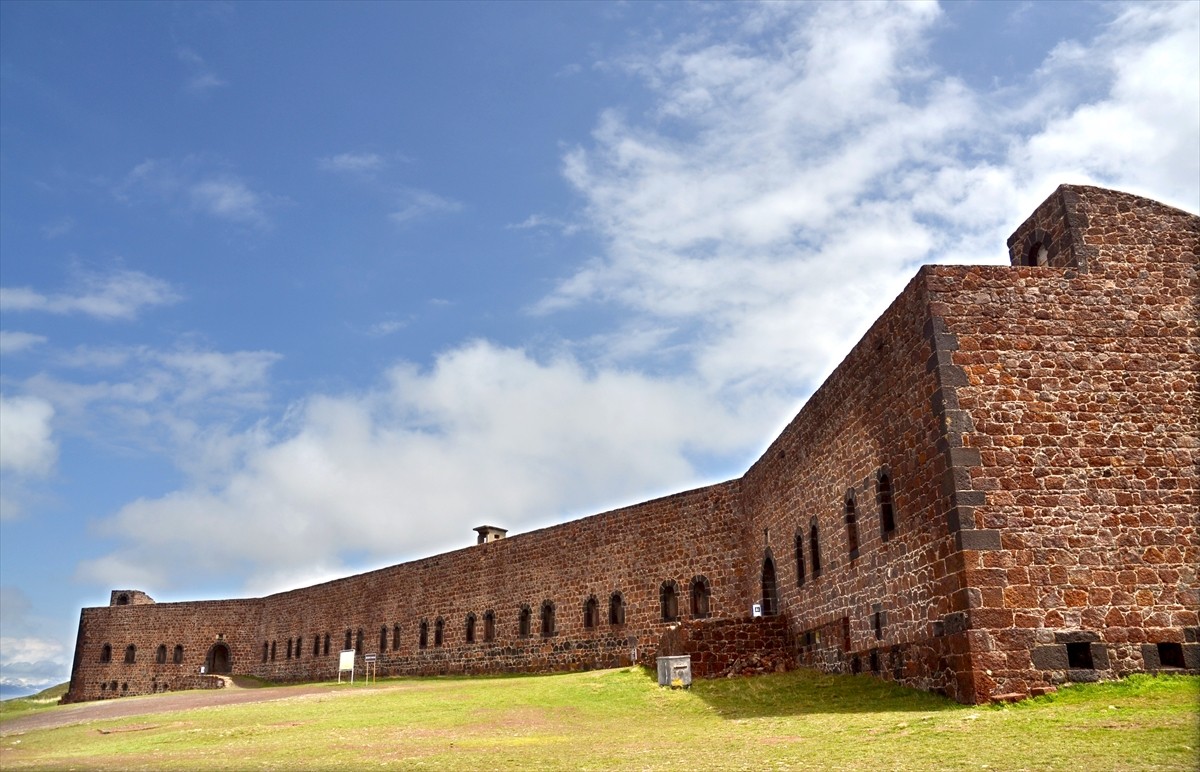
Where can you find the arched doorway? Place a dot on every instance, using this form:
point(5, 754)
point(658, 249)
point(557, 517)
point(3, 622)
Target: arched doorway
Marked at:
point(770, 595)
point(218, 660)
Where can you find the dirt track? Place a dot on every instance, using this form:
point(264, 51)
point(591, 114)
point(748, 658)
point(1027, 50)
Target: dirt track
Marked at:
point(104, 710)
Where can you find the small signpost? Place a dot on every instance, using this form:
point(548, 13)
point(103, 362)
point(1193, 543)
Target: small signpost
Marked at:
point(369, 672)
point(756, 610)
point(346, 662)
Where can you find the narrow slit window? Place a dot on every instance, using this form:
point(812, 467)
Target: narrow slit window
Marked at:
point(591, 613)
point(439, 631)
point(668, 597)
point(469, 630)
point(547, 619)
point(489, 626)
point(524, 622)
point(800, 560)
point(814, 548)
point(887, 514)
point(851, 526)
point(700, 597)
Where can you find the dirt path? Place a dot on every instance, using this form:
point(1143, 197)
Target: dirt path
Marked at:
point(103, 710)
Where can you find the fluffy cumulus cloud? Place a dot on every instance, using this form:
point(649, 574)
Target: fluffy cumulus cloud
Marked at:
point(120, 294)
point(488, 434)
point(797, 169)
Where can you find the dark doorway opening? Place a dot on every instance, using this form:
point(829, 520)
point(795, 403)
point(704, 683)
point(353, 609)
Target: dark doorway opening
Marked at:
point(218, 660)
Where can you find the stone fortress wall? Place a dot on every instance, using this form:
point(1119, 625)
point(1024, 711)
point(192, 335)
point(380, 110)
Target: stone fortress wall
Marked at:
point(994, 493)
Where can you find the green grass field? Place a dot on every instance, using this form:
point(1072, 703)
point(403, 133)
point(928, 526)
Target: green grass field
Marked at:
point(620, 719)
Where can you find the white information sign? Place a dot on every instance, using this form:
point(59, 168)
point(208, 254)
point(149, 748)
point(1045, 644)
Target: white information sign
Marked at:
point(346, 662)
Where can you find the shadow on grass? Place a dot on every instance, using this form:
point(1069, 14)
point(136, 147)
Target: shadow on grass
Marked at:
point(801, 692)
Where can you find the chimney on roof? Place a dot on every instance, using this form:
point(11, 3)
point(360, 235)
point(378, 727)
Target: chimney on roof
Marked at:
point(489, 533)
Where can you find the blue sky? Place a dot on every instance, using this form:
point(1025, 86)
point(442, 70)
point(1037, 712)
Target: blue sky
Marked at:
point(292, 291)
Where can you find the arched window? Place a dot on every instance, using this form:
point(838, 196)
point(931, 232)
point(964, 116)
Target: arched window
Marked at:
point(160, 654)
point(272, 651)
point(700, 595)
point(289, 651)
point(770, 593)
point(851, 525)
point(591, 613)
point(122, 600)
point(524, 622)
point(177, 658)
point(299, 638)
point(326, 649)
point(547, 618)
point(266, 651)
point(489, 626)
point(349, 639)
point(423, 635)
point(358, 642)
point(396, 637)
point(799, 559)
point(130, 654)
point(814, 548)
point(469, 629)
point(316, 645)
point(883, 497)
point(668, 597)
point(383, 639)
point(616, 608)
point(439, 632)
point(106, 653)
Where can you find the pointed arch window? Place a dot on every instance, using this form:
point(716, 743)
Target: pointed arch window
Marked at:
point(423, 635)
point(525, 622)
point(770, 592)
point(177, 657)
point(616, 609)
point(591, 613)
point(130, 654)
point(489, 626)
point(439, 631)
point(469, 630)
point(396, 637)
point(383, 639)
point(547, 618)
point(106, 653)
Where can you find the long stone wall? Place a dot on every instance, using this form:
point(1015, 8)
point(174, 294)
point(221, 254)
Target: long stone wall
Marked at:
point(995, 492)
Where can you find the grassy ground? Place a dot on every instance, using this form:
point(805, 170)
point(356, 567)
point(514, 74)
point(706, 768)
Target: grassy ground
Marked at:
point(43, 700)
point(620, 719)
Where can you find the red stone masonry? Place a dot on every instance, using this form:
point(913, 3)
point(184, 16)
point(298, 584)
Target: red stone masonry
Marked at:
point(1001, 476)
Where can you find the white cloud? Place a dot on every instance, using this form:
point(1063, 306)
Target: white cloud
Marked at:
point(29, 660)
point(228, 198)
point(352, 163)
point(797, 171)
point(116, 295)
point(60, 227)
point(13, 342)
point(202, 78)
point(419, 204)
point(26, 443)
point(488, 434)
point(196, 185)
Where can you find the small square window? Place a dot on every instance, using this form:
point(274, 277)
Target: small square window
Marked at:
point(1079, 656)
point(1171, 655)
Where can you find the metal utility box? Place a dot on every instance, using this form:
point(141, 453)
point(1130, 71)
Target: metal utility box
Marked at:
point(675, 671)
